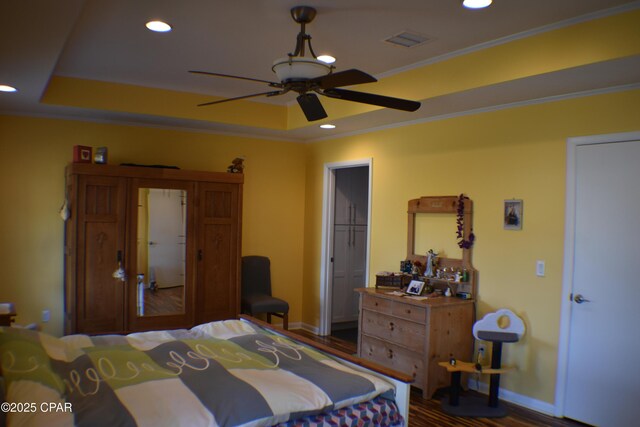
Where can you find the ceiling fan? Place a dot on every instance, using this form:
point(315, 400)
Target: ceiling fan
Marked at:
point(308, 76)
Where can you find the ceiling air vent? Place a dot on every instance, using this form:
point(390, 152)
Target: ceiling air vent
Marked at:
point(407, 39)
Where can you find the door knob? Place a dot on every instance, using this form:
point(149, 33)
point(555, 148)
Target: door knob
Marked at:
point(580, 299)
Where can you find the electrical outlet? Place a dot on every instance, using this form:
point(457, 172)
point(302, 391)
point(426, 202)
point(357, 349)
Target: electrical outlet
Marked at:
point(46, 315)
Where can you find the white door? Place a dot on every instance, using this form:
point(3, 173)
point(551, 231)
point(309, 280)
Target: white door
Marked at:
point(603, 378)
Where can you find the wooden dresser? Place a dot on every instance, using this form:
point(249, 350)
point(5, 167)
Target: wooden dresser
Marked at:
point(412, 336)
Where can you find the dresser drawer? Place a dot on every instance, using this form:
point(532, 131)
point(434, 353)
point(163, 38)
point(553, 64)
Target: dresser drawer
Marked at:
point(398, 331)
point(394, 357)
point(376, 304)
point(399, 309)
point(409, 312)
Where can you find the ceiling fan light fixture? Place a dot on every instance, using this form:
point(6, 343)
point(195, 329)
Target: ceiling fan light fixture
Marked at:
point(476, 4)
point(297, 68)
point(310, 77)
point(158, 26)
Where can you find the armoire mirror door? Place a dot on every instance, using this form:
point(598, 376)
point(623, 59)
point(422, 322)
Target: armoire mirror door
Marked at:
point(161, 253)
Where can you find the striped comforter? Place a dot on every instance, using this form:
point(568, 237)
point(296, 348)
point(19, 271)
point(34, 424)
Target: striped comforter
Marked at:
point(229, 373)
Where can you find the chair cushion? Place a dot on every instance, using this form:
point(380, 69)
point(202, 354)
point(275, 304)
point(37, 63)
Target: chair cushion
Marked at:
point(260, 303)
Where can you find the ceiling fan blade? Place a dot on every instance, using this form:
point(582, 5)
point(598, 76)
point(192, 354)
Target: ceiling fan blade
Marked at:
point(207, 73)
point(311, 107)
point(270, 93)
point(369, 98)
point(344, 78)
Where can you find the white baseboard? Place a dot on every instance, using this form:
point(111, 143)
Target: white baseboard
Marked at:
point(516, 398)
point(295, 325)
point(310, 328)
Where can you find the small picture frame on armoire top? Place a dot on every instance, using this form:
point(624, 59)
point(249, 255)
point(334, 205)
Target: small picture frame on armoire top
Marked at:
point(82, 154)
point(101, 156)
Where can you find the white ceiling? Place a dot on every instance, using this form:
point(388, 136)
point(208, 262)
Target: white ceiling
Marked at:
point(106, 40)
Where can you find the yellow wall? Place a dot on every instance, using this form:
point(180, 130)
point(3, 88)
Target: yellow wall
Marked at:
point(34, 152)
point(512, 153)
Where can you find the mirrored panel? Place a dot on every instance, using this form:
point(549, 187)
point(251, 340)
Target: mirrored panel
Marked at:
point(437, 231)
point(161, 252)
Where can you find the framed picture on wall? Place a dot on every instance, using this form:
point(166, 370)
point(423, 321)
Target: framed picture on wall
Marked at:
point(512, 217)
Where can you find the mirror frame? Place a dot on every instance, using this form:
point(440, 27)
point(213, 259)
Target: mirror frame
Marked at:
point(165, 321)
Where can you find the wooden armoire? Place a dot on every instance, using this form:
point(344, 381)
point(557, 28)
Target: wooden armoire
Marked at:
point(150, 248)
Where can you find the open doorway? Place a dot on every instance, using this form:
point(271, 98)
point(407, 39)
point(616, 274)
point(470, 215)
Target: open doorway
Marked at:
point(345, 246)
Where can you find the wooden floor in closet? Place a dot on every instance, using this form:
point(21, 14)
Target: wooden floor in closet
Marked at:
point(427, 412)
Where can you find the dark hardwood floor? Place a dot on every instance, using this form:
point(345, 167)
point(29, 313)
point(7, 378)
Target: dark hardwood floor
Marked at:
point(428, 412)
point(164, 301)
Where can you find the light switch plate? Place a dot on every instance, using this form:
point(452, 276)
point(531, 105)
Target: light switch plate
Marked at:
point(540, 268)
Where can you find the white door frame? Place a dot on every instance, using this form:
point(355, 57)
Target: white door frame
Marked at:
point(569, 242)
point(328, 199)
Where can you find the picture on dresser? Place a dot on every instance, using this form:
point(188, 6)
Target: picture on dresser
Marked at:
point(415, 287)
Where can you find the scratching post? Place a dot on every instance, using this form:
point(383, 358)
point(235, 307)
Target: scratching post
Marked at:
point(487, 329)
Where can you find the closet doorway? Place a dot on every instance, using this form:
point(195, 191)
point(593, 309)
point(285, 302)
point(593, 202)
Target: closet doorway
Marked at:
point(346, 216)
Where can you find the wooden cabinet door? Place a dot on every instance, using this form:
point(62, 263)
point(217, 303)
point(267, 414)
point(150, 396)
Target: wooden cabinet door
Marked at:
point(100, 241)
point(218, 269)
point(352, 196)
point(349, 261)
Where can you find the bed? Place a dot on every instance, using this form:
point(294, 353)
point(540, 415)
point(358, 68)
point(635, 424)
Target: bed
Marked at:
point(239, 372)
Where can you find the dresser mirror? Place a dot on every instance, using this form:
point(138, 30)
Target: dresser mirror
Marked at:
point(436, 231)
point(432, 224)
point(161, 251)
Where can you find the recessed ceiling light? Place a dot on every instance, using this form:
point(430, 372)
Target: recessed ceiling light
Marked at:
point(327, 59)
point(476, 4)
point(328, 126)
point(7, 88)
point(158, 26)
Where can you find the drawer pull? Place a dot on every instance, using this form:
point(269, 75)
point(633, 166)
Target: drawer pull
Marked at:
point(408, 311)
point(391, 326)
point(390, 353)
